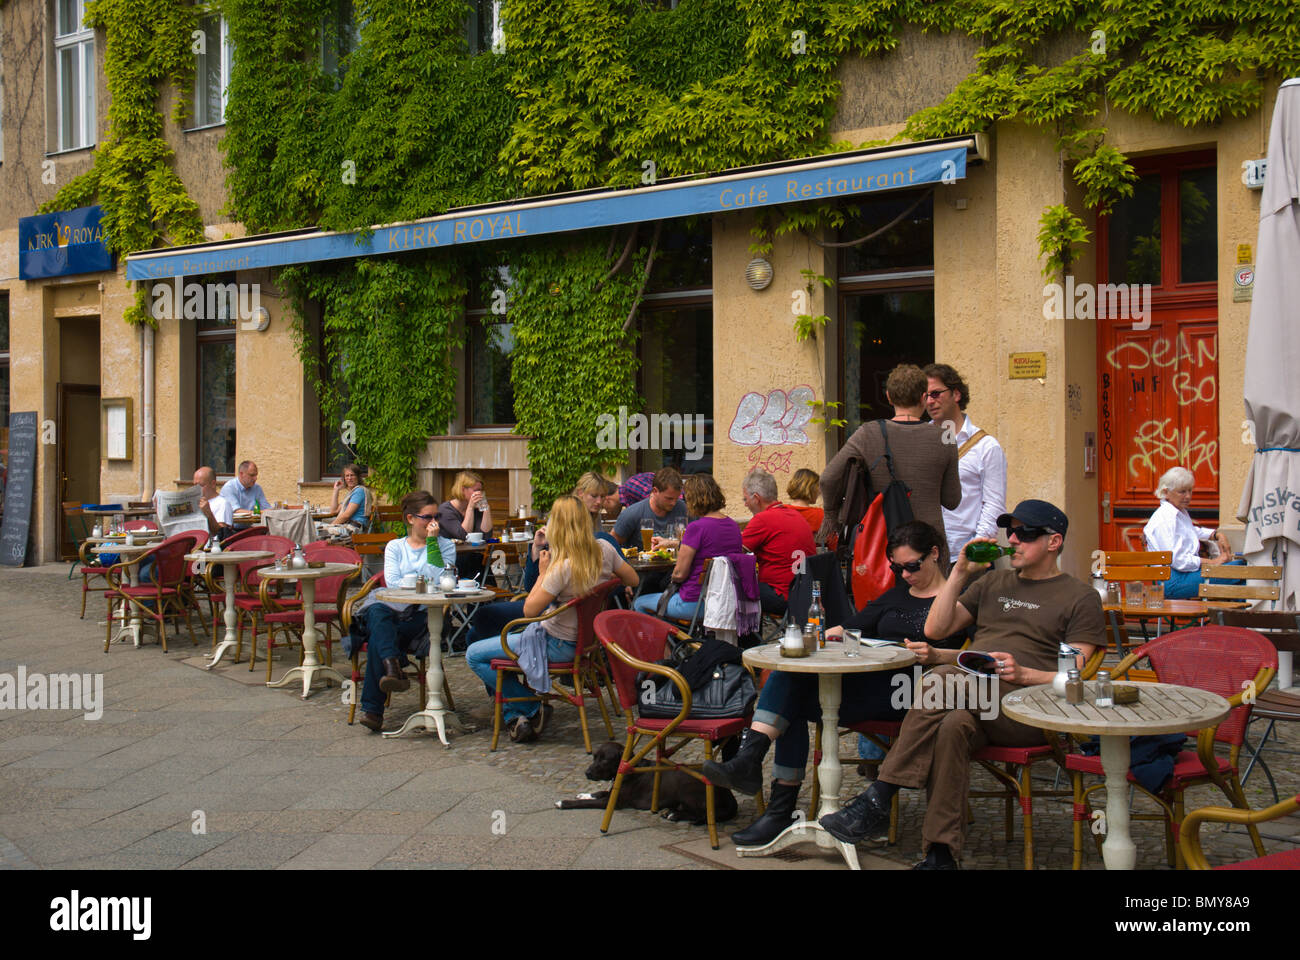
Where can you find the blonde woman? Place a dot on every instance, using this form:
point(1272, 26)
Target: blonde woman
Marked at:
point(467, 511)
point(570, 563)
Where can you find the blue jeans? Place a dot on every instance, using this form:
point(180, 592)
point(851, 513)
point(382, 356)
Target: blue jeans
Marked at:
point(789, 702)
point(678, 608)
point(1182, 584)
point(390, 637)
point(479, 656)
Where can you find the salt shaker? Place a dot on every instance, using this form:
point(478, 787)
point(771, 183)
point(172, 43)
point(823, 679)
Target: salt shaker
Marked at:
point(1105, 690)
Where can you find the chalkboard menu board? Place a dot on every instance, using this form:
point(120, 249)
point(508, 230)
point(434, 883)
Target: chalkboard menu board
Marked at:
point(18, 489)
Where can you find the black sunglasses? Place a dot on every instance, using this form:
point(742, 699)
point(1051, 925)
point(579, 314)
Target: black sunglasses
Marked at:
point(913, 567)
point(426, 517)
point(1027, 534)
point(936, 394)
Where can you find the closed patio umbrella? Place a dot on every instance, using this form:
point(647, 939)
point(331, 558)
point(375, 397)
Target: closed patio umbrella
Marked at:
point(1270, 502)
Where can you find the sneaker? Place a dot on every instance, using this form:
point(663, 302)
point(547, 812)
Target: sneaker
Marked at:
point(521, 730)
point(863, 819)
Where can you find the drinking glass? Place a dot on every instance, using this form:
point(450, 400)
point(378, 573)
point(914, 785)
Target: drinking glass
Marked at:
point(1155, 594)
point(1133, 593)
point(1114, 597)
point(852, 643)
point(647, 531)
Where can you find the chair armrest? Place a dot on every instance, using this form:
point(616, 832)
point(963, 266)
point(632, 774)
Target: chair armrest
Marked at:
point(1189, 838)
point(1093, 663)
point(678, 680)
point(268, 594)
point(350, 604)
point(510, 627)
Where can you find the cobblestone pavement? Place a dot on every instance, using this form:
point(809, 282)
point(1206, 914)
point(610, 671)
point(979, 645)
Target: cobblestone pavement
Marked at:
point(189, 769)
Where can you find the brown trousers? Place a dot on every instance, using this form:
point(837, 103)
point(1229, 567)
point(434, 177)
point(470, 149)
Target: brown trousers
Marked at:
point(934, 750)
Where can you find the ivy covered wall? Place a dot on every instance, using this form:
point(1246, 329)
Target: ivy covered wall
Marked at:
point(592, 93)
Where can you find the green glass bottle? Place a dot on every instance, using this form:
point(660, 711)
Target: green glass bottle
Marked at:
point(987, 552)
point(433, 552)
point(257, 508)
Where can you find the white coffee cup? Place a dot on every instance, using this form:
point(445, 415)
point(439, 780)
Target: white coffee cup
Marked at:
point(467, 585)
point(408, 581)
point(474, 537)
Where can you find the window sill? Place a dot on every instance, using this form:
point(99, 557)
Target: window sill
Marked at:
point(206, 126)
point(68, 150)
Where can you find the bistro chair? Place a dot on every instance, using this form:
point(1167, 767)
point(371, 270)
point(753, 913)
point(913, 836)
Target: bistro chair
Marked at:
point(585, 671)
point(1189, 842)
point(152, 601)
point(1228, 596)
point(330, 591)
point(634, 641)
point(370, 547)
point(347, 613)
point(1229, 661)
point(240, 535)
point(74, 516)
point(247, 586)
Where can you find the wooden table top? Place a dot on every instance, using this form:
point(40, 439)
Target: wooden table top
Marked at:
point(434, 598)
point(305, 573)
point(1162, 708)
point(1167, 608)
point(830, 660)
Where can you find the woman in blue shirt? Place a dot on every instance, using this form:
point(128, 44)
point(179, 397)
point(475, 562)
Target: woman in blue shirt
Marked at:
point(396, 628)
point(353, 514)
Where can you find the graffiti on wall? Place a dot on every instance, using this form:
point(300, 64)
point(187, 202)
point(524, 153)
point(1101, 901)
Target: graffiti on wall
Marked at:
point(772, 419)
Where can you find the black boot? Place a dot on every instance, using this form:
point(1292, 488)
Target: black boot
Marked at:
point(938, 857)
point(743, 772)
point(778, 815)
point(393, 680)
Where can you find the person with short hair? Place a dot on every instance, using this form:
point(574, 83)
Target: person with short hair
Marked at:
point(922, 461)
point(395, 629)
point(663, 507)
point(217, 509)
point(711, 534)
point(777, 536)
point(802, 492)
point(635, 488)
point(572, 563)
point(1021, 617)
point(981, 464)
point(242, 491)
point(1171, 528)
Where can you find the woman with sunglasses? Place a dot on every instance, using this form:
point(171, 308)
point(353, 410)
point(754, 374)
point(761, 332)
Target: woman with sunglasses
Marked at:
point(789, 701)
point(395, 629)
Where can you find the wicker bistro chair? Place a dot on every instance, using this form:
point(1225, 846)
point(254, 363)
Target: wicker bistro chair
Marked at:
point(1230, 661)
point(248, 601)
point(347, 612)
point(586, 670)
point(90, 568)
point(1189, 841)
point(634, 641)
point(282, 619)
point(1012, 767)
point(153, 601)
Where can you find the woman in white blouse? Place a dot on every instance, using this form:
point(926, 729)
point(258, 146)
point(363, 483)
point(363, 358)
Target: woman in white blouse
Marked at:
point(1171, 528)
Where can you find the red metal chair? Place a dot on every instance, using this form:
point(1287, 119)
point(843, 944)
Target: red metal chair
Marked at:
point(634, 641)
point(585, 670)
point(137, 525)
point(241, 535)
point(165, 593)
point(1189, 842)
point(247, 586)
point(1229, 661)
point(330, 591)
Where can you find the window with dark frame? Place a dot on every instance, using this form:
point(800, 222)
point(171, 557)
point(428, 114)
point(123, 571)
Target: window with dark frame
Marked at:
point(74, 76)
point(490, 345)
point(212, 72)
point(214, 355)
point(484, 29)
point(4, 394)
point(340, 35)
point(886, 300)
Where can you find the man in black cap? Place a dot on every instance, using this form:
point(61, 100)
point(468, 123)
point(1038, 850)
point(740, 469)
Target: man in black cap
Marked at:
point(1021, 616)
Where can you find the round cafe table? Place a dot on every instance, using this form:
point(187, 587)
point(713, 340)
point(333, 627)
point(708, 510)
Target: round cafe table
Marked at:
point(127, 553)
point(435, 714)
point(311, 665)
point(829, 665)
point(1161, 708)
point(228, 560)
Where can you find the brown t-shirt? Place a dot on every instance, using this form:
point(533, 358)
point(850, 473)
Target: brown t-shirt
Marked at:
point(1030, 618)
point(564, 626)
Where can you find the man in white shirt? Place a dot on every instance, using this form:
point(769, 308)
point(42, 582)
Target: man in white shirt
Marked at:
point(981, 464)
point(243, 491)
point(220, 514)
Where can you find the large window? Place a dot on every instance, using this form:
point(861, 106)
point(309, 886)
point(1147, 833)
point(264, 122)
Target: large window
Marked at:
point(74, 57)
point(212, 72)
point(215, 356)
point(484, 29)
point(340, 35)
point(1166, 233)
point(886, 290)
point(676, 346)
point(491, 347)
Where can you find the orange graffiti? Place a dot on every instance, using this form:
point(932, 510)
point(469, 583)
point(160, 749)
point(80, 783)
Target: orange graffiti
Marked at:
point(775, 462)
point(1160, 443)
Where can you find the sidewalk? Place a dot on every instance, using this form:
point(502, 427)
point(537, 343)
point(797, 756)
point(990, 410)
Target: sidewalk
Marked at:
point(195, 770)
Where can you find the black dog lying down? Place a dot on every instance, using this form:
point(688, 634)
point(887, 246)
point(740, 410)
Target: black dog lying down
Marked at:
point(681, 796)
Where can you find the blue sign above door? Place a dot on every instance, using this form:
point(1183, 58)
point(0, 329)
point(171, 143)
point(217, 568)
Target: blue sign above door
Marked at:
point(63, 243)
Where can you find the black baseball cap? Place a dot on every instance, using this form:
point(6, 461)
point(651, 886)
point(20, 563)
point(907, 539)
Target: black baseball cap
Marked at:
point(1037, 513)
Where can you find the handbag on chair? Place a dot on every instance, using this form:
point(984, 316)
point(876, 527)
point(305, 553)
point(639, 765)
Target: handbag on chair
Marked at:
point(727, 689)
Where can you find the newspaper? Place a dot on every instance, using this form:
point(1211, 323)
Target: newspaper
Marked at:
point(178, 512)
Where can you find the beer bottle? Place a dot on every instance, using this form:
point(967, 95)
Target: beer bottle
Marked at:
point(816, 616)
point(987, 552)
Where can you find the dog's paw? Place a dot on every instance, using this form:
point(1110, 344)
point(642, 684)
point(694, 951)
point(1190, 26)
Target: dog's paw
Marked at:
point(587, 796)
point(559, 804)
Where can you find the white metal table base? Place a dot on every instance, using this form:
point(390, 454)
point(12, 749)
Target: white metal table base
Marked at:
point(435, 715)
point(311, 665)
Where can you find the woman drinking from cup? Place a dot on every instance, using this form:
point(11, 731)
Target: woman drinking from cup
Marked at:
point(467, 516)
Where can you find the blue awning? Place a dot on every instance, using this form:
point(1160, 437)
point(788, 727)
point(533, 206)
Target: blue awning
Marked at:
point(819, 178)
